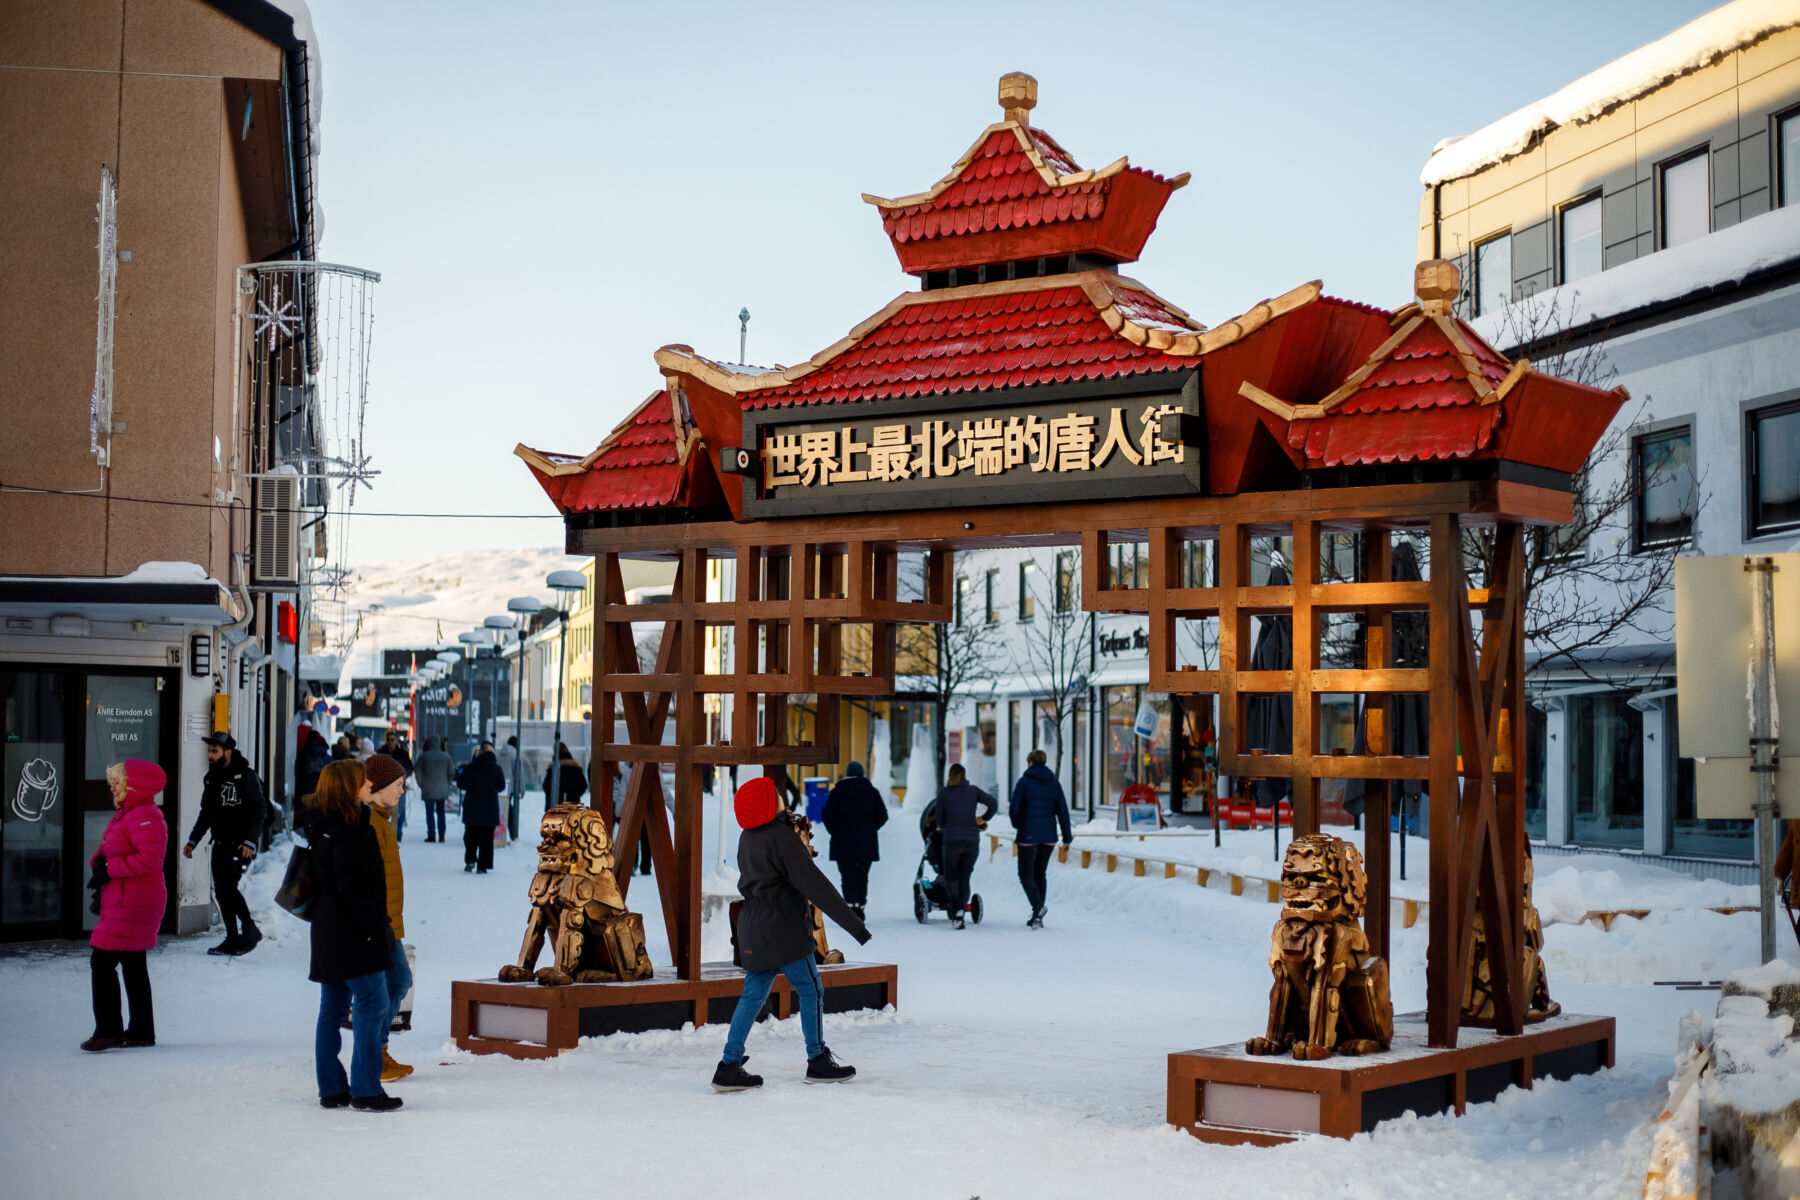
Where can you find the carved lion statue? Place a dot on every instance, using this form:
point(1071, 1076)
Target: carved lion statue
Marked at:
point(1478, 995)
point(575, 902)
point(1330, 994)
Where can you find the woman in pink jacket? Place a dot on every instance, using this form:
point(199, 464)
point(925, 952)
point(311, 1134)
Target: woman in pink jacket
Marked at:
point(132, 901)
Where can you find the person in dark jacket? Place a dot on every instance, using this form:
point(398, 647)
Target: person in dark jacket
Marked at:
point(231, 807)
point(953, 811)
point(779, 883)
point(566, 777)
point(1037, 808)
point(481, 781)
point(436, 772)
point(394, 748)
point(309, 759)
point(352, 942)
point(853, 814)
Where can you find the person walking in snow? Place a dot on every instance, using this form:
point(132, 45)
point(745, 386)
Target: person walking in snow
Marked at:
point(1037, 808)
point(394, 748)
point(231, 807)
point(384, 783)
point(570, 780)
point(310, 758)
point(779, 883)
point(128, 869)
point(436, 772)
point(352, 943)
point(954, 812)
point(481, 783)
point(853, 815)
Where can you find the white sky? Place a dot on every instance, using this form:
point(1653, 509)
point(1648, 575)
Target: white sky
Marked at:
point(553, 190)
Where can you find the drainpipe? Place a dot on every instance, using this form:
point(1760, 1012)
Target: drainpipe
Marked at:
point(1437, 220)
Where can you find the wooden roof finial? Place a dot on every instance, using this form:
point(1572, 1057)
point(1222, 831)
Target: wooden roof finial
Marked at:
point(1018, 96)
point(1437, 284)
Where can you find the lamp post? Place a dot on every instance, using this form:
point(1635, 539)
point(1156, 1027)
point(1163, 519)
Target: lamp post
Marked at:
point(474, 639)
point(446, 663)
point(521, 607)
point(564, 584)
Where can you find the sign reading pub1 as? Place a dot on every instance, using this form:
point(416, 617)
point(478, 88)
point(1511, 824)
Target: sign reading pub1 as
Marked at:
point(1026, 445)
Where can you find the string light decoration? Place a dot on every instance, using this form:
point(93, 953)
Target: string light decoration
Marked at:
point(311, 328)
point(100, 401)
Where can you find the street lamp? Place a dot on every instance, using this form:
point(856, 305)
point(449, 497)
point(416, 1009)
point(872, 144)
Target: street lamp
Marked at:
point(565, 584)
point(474, 640)
point(498, 627)
point(446, 664)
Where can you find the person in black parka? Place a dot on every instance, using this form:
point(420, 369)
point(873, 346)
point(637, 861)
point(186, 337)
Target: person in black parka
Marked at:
point(352, 942)
point(1038, 807)
point(481, 781)
point(954, 811)
point(853, 815)
point(567, 776)
point(232, 810)
point(779, 881)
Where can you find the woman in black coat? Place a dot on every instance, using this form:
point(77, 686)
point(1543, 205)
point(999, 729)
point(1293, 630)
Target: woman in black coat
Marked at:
point(481, 781)
point(570, 780)
point(352, 943)
point(853, 815)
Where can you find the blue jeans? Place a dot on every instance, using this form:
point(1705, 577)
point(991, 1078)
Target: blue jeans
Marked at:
point(368, 995)
point(434, 819)
point(399, 980)
point(809, 998)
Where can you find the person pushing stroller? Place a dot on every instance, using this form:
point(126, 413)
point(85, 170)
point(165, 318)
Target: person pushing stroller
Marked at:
point(779, 881)
point(954, 812)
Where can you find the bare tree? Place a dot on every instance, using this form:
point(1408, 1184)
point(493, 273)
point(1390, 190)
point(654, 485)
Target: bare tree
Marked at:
point(1589, 583)
point(948, 662)
point(1056, 641)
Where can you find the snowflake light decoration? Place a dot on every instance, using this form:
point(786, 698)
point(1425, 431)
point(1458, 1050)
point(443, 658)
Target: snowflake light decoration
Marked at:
point(279, 322)
point(334, 579)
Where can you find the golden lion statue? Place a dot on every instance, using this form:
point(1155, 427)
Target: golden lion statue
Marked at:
point(1478, 994)
point(575, 902)
point(1330, 994)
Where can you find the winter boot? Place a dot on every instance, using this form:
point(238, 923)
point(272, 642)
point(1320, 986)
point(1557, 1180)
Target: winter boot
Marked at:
point(731, 1077)
point(379, 1102)
point(826, 1069)
point(1037, 919)
point(341, 1100)
point(97, 1043)
point(956, 921)
point(229, 946)
point(247, 940)
point(391, 1070)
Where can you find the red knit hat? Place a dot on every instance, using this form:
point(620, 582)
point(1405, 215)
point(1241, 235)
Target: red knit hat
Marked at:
point(143, 779)
point(757, 802)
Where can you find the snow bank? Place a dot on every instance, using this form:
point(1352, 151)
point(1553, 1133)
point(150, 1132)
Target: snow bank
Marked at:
point(1694, 45)
point(1718, 259)
point(1751, 1097)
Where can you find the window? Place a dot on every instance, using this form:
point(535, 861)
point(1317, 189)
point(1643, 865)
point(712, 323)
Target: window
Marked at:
point(1493, 274)
point(1580, 232)
point(1065, 581)
point(992, 596)
point(1128, 564)
point(1787, 159)
point(1562, 543)
point(1027, 596)
point(1606, 770)
point(962, 599)
point(1686, 200)
point(1663, 466)
point(1773, 459)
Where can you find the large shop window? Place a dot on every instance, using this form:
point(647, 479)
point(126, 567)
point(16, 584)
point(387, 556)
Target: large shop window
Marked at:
point(1663, 470)
point(36, 798)
point(1773, 462)
point(1131, 758)
point(1606, 770)
point(1687, 833)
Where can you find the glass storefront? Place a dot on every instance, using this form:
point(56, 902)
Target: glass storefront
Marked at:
point(1606, 770)
point(1130, 758)
point(62, 728)
point(1687, 833)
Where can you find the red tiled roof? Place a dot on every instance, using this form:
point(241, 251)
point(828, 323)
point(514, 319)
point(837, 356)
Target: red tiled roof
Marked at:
point(639, 466)
point(974, 343)
point(1001, 188)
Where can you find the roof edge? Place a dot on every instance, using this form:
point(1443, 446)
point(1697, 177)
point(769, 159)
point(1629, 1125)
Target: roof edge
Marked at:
point(1045, 172)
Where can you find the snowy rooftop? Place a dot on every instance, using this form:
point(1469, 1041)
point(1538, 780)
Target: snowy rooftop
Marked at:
point(1717, 259)
point(1698, 43)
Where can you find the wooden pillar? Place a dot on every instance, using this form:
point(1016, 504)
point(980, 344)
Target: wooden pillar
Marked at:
point(1446, 929)
point(1306, 654)
point(605, 773)
point(689, 661)
point(1378, 628)
point(1232, 576)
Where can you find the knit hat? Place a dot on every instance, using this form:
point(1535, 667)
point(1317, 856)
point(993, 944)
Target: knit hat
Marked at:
point(757, 802)
point(854, 769)
point(380, 770)
point(143, 779)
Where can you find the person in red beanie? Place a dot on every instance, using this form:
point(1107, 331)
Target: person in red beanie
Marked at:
point(778, 880)
point(132, 898)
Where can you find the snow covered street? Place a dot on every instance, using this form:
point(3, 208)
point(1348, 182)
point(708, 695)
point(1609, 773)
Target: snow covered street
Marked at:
point(1020, 1063)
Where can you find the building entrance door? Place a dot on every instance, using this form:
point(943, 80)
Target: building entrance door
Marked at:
point(62, 728)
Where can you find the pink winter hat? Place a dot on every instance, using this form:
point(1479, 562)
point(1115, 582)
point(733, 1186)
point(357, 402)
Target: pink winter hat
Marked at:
point(143, 779)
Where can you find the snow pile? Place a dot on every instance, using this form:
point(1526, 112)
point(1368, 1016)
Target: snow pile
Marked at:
point(1751, 1097)
point(1696, 44)
point(1716, 260)
point(1567, 889)
point(921, 775)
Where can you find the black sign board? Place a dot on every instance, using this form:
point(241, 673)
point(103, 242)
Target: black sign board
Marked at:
point(1085, 441)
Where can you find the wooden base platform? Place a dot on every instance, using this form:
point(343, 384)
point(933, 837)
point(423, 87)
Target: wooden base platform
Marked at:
point(528, 1020)
point(1224, 1095)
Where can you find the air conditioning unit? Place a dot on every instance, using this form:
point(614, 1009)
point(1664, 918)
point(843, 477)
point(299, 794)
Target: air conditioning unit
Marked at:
point(275, 548)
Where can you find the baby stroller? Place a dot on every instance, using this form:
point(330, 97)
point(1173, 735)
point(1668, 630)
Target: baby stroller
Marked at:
point(930, 894)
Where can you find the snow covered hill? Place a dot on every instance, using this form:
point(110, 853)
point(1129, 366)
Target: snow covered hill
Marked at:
point(428, 601)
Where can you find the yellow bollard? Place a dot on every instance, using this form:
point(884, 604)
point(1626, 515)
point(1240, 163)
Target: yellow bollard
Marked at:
point(1112, 863)
point(1237, 885)
point(1062, 853)
point(1137, 867)
point(1015, 847)
point(1409, 913)
point(1087, 856)
point(1202, 874)
point(1274, 886)
point(1168, 870)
